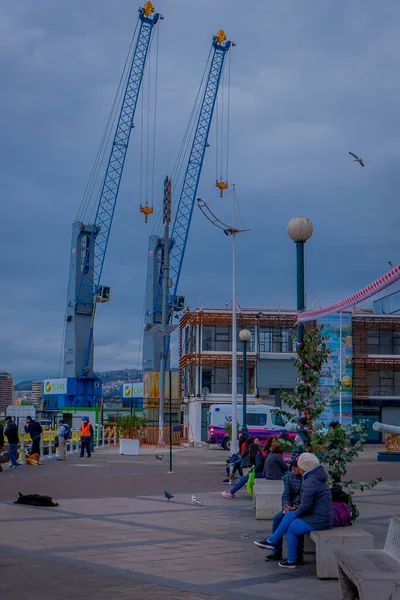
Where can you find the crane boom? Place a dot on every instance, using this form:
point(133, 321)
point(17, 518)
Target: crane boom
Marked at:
point(90, 241)
point(90, 277)
point(181, 226)
point(180, 230)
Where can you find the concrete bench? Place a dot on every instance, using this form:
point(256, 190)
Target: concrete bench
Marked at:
point(353, 539)
point(268, 498)
point(372, 574)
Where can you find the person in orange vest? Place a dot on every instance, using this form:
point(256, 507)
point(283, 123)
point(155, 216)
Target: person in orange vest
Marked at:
point(86, 437)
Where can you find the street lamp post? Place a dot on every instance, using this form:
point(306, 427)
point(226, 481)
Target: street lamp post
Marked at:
point(233, 232)
point(300, 229)
point(245, 337)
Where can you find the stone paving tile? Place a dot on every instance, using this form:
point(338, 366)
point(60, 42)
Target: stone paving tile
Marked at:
point(292, 588)
point(193, 561)
point(80, 532)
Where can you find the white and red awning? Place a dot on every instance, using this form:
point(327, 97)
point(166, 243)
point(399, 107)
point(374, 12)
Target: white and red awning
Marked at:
point(372, 289)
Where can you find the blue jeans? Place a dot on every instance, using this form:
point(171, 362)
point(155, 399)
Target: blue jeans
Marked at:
point(294, 528)
point(13, 454)
point(279, 546)
point(242, 481)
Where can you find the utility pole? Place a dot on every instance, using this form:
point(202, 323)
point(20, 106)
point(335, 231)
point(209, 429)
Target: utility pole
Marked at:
point(234, 440)
point(165, 304)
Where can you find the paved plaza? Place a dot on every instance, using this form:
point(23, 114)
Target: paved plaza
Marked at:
point(114, 535)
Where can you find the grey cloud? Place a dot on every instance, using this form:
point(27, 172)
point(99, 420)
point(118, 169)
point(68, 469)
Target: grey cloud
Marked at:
point(310, 81)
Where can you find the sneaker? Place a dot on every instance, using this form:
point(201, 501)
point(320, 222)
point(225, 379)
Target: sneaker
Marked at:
point(265, 544)
point(225, 481)
point(273, 557)
point(285, 564)
point(262, 544)
point(227, 495)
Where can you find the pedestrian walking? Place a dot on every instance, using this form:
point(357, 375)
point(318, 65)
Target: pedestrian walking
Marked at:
point(64, 434)
point(35, 431)
point(12, 436)
point(86, 437)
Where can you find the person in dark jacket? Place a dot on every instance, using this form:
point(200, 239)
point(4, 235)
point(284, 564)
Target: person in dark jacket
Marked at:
point(11, 434)
point(257, 461)
point(35, 431)
point(315, 511)
point(290, 501)
point(275, 467)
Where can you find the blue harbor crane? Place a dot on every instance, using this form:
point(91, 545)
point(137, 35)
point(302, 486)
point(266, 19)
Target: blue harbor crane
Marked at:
point(90, 241)
point(152, 342)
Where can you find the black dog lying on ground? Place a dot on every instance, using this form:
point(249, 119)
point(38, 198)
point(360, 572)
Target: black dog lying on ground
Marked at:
point(35, 500)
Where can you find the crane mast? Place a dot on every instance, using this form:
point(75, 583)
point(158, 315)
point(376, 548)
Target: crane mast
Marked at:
point(152, 344)
point(90, 241)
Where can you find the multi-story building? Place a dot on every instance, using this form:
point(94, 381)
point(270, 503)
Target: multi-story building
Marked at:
point(206, 360)
point(365, 350)
point(6, 391)
point(37, 387)
point(376, 369)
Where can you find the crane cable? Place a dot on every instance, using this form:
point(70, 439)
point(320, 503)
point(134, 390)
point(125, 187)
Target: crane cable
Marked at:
point(183, 153)
point(92, 182)
point(222, 135)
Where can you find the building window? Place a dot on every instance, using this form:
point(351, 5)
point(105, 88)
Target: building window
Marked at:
point(276, 339)
point(384, 383)
point(218, 338)
point(189, 381)
point(189, 343)
point(218, 380)
point(383, 341)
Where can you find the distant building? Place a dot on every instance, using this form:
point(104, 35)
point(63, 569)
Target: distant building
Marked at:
point(37, 387)
point(369, 354)
point(388, 305)
point(6, 391)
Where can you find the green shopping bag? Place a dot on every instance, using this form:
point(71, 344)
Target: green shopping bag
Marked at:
point(250, 483)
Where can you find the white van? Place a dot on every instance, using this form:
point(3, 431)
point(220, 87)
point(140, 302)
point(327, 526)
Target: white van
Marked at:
point(262, 421)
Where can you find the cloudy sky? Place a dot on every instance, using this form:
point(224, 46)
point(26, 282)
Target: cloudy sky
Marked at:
point(310, 81)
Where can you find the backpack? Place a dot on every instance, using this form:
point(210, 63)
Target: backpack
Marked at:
point(338, 495)
point(39, 428)
point(259, 463)
point(341, 514)
point(67, 432)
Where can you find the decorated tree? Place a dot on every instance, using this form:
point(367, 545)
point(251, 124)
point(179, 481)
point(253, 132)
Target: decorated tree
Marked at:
point(306, 400)
point(341, 445)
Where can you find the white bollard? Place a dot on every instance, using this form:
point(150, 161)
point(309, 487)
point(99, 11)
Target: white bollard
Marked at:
point(97, 436)
point(41, 446)
point(103, 441)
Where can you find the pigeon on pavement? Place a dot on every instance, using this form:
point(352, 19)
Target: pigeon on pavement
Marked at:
point(357, 159)
point(168, 495)
point(159, 456)
point(195, 501)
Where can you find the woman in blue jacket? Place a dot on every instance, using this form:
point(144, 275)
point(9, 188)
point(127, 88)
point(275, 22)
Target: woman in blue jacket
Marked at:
point(315, 511)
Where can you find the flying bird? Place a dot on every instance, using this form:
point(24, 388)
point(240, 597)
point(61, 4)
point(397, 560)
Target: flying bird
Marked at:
point(195, 501)
point(391, 265)
point(168, 495)
point(159, 456)
point(357, 159)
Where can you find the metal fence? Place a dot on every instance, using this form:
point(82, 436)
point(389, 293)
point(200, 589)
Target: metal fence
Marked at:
point(104, 436)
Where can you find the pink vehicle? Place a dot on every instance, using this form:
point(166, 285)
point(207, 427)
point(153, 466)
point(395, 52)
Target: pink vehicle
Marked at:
point(262, 421)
